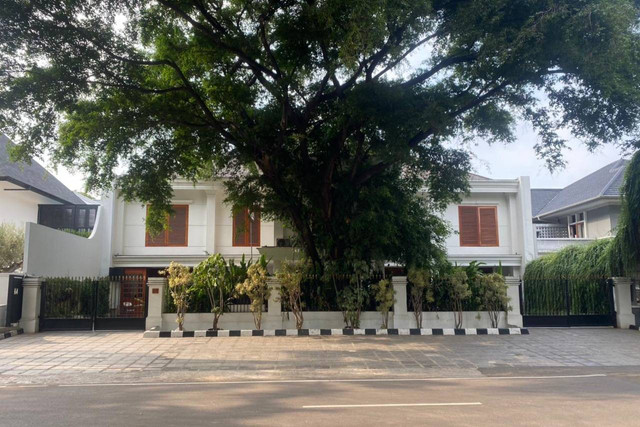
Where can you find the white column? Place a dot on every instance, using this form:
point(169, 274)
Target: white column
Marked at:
point(30, 304)
point(401, 317)
point(156, 288)
point(272, 319)
point(622, 297)
point(210, 243)
point(514, 315)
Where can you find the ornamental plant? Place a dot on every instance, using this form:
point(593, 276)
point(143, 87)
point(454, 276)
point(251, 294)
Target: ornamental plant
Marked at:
point(11, 248)
point(385, 298)
point(290, 277)
point(458, 292)
point(180, 282)
point(213, 277)
point(255, 286)
point(493, 296)
point(421, 290)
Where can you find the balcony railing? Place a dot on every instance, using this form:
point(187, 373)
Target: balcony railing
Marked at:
point(548, 231)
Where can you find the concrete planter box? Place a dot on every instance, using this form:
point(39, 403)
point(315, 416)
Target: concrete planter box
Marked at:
point(330, 320)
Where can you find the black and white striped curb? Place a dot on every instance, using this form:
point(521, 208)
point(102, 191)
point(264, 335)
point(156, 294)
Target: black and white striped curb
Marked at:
point(333, 332)
point(11, 333)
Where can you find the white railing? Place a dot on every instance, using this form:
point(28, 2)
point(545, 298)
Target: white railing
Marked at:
point(548, 231)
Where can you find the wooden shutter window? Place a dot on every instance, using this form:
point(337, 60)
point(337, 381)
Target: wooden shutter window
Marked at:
point(469, 226)
point(178, 231)
point(246, 232)
point(478, 225)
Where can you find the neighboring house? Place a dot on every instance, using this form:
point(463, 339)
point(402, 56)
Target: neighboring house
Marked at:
point(29, 193)
point(584, 211)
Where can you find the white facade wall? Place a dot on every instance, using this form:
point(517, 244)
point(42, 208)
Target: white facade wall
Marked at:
point(19, 207)
point(599, 223)
point(210, 230)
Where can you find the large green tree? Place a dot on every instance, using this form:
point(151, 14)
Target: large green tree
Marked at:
point(312, 107)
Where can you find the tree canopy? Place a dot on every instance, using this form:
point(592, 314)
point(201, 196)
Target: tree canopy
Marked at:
point(312, 107)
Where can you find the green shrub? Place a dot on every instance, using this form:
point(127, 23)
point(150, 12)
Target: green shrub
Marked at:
point(291, 276)
point(255, 286)
point(180, 281)
point(212, 276)
point(493, 296)
point(458, 292)
point(11, 247)
point(421, 291)
point(385, 298)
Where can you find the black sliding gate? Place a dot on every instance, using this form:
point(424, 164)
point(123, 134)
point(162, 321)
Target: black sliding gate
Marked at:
point(568, 302)
point(85, 304)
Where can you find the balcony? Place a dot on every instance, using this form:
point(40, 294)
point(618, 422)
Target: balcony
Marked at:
point(552, 238)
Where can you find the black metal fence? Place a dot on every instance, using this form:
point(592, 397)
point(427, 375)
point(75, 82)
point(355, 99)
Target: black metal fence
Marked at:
point(326, 293)
point(106, 303)
point(574, 301)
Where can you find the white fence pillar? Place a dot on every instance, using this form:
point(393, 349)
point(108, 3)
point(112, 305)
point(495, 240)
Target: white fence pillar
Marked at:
point(401, 317)
point(514, 315)
point(30, 304)
point(622, 297)
point(156, 288)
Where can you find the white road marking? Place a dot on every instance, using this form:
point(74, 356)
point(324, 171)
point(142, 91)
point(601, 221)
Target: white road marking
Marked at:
point(315, 381)
point(391, 405)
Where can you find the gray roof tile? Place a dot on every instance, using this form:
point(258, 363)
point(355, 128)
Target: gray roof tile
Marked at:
point(33, 176)
point(603, 182)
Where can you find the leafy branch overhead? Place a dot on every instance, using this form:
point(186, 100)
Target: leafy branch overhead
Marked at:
point(313, 107)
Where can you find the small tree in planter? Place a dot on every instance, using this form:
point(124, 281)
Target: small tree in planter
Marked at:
point(385, 297)
point(493, 296)
point(290, 276)
point(180, 281)
point(256, 288)
point(458, 292)
point(213, 277)
point(421, 290)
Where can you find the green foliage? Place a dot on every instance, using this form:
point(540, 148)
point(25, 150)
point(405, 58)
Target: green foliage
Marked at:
point(385, 298)
point(309, 107)
point(590, 260)
point(81, 233)
point(11, 248)
point(420, 291)
point(493, 296)
point(291, 277)
point(214, 278)
point(353, 297)
point(255, 286)
point(624, 252)
point(458, 292)
point(180, 282)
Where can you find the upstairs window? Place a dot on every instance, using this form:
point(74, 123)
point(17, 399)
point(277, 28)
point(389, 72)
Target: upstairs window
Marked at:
point(178, 232)
point(246, 227)
point(576, 226)
point(478, 225)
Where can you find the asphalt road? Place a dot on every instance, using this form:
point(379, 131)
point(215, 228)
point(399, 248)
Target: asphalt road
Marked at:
point(547, 399)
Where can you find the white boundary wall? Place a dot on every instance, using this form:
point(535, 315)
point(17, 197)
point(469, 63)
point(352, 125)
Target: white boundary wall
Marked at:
point(325, 320)
point(50, 252)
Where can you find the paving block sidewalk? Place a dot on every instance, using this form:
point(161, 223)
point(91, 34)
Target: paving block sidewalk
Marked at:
point(118, 356)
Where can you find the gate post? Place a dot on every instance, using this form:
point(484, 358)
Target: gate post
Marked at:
point(30, 304)
point(622, 297)
point(157, 287)
point(273, 319)
point(514, 315)
point(401, 317)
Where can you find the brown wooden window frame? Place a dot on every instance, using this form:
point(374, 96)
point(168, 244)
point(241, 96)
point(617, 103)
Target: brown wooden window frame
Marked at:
point(165, 243)
point(247, 225)
point(480, 242)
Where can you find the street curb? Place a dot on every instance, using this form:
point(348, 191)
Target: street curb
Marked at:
point(11, 333)
point(333, 332)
